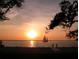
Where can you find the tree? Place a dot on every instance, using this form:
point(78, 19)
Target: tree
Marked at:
point(6, 5)
point(66, 18)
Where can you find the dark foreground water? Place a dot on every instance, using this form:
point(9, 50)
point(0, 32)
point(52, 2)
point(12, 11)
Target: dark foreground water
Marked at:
point(40, 43)
point(67, 49)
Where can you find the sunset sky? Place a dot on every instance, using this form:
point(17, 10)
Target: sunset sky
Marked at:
point(33, 15)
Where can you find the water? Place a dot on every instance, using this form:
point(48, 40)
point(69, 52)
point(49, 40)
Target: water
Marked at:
point(40, 43)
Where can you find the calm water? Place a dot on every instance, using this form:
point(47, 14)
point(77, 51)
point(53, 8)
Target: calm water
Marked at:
point(40, 43)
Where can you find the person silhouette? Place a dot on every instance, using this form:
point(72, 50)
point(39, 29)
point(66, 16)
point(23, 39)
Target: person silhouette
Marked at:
point(56, 45)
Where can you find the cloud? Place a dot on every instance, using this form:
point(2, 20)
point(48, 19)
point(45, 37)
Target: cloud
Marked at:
point(32, 10)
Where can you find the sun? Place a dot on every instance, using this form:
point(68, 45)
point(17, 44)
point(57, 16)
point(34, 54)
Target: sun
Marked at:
point(32, 34)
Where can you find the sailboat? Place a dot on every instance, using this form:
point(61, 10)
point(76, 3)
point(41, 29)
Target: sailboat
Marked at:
point(45, 39)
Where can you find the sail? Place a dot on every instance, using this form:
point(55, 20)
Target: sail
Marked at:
point(45, 39)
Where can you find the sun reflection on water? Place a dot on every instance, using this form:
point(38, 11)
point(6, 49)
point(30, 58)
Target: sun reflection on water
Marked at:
point(32, 43)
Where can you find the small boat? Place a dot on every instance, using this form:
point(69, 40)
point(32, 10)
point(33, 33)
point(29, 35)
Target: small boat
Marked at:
point(45, 39)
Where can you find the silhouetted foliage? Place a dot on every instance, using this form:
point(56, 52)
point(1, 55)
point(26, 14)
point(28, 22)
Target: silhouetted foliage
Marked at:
point(66, 17)
point(6, 5)
point(73, 34)
point(1, 45)
point(57, 20)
